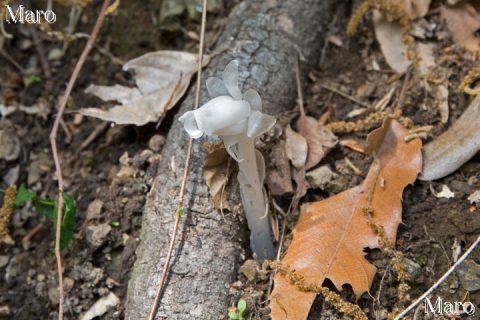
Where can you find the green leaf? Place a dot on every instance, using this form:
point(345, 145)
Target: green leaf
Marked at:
point(44, 207)
point(68, 220)
point(233, 315)
point(23, 196)
point(241, 306)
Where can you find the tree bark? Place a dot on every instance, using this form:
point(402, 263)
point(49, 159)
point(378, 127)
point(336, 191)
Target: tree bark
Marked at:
point(264, 36)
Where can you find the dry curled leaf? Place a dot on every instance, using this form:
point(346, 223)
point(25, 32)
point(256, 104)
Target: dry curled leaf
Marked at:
point(331, 235)
point(389, 36)
point(279, 174)
point(319, 139)
point(215, 174)
point(162, 77)
point(296, 147)
point(454, 147)
point(353, 145)
point(463, 21)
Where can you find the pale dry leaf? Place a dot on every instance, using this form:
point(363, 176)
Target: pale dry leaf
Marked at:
point(441, 95)
point(474, 197)
point(389, 36)
point(321, 177)
point(331, 235)
point(320, 140)
point(463, 21)
point(161, 77)
point(454, 147)
point(444, 193)
point(215, 174)
point(296, 147)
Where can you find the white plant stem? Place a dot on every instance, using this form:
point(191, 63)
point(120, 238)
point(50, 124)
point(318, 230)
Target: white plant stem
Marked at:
point(251, 177)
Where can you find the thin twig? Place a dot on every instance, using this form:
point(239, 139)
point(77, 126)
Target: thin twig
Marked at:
point(439, 282)
point(53, 142)
point(95, 133)
point(41, 52)
point(178, 214)
point(401, 97)
point(346, 96)
point(299, 88)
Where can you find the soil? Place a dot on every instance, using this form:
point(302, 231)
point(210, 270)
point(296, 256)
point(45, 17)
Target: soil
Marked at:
point(110, 177)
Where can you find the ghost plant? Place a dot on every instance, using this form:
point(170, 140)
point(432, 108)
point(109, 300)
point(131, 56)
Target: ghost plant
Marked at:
point(238, 119)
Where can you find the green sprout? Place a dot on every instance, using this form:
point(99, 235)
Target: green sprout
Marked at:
point(237, 313)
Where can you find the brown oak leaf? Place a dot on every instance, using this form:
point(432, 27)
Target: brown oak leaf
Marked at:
point(331, 235)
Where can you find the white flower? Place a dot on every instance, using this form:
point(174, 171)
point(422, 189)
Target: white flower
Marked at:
point(229, 114)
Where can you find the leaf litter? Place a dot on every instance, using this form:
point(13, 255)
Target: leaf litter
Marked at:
point(161, 78)
point(331, 235)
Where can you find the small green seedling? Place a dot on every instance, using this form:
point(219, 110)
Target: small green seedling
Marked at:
point(49, 208)
point(237, 313)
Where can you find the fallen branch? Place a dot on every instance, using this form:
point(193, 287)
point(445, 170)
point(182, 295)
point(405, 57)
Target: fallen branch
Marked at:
point(178, 213)
point(53, 142)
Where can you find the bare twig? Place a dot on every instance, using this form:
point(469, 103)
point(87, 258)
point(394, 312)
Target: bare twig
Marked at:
point(299, 88)
point(405, 84)
point(343, 94)
point(14, 63)
point(440, 281)
point(95, 133)
point(178, 214)
point(41, 52)
point(53, 142)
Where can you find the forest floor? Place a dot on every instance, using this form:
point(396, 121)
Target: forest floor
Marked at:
point(111, 175)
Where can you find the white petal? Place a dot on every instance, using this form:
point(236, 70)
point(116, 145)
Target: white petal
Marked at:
point(236, 128)
point(190, 124)
point(222, 113)
point(259, 123)
point(216, 87)
point(230, 143)
point(253, 98)
point(230, 79)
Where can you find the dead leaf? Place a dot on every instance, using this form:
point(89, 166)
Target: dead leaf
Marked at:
point(302, 185)
point(389, 36)
point(320, 140)
point(321, 177)
point(353, 144)
point(441, 94)
point(463, 21)
point(474, 197)
point(215, 174)
point(444, 193)
point(454, 147)
point(330, 236)
point(279, 174)
point(162, 77)
point(296, 148)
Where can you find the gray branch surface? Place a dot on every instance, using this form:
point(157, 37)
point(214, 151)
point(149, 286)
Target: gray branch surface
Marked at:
point(264, 36)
